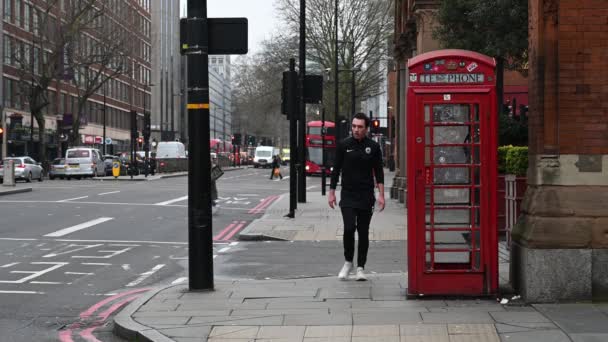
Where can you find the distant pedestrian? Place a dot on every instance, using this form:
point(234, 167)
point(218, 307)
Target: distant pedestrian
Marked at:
point(359, 160)
point(276, 167)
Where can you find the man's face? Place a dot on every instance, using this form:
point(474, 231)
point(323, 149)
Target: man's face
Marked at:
point(359, 129)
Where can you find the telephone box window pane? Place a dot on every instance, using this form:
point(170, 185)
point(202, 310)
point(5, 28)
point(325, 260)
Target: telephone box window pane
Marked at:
point(427, 156)
point(451, 113)
point(451, 258)
point(427, 113)
point(450, 155)
point(452, 216)
point(452, 175)
point(450, 135)
point(453, 240)
point(476, 112)
point(452, 196)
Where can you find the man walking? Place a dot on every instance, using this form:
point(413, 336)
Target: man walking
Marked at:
point(359, 160)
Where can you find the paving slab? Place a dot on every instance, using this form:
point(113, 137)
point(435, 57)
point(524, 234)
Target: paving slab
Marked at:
point(457, 317)
point(535, 336)
point(576, 318)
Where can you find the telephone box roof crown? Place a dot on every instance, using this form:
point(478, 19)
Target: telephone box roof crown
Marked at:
point(451, 53)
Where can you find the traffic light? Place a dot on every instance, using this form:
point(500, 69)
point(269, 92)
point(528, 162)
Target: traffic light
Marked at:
point(375, 126)
point(1, 132)
point(140, 140)
point(147, 126)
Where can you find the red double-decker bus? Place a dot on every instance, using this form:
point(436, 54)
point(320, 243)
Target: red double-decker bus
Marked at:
point(314, 147)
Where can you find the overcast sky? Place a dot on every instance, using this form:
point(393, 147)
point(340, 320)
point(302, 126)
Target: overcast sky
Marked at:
point(260, 14)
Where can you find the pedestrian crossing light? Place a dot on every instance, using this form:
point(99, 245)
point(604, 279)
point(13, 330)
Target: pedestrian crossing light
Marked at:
point(140, 140)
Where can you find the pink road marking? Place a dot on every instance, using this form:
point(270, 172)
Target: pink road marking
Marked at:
point(66, 335)
point(254, 209)
point(224, 231)
point(104, 315)
point(87, 334)
point(234, 231)
point(95, 307)
point(267, 204)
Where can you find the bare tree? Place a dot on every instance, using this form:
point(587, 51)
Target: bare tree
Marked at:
point(99, 53)
point(364, 29)
point(46, 58)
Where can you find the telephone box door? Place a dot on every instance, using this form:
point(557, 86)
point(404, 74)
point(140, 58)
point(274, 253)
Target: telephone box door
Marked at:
point(455, 248)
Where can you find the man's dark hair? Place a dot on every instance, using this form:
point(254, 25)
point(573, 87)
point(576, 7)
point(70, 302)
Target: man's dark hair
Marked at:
point(362, 116)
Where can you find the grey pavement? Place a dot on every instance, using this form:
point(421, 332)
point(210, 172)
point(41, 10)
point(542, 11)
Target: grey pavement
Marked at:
point(327, 309)
point(316, 221)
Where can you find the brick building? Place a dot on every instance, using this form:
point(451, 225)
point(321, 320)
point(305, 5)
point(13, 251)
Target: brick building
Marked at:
point(560, 248)
point(110, 105)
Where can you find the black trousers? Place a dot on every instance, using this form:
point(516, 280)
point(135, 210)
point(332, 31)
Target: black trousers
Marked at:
point(356, 220)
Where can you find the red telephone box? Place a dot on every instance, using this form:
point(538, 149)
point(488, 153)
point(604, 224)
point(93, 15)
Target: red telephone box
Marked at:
point(451, 174)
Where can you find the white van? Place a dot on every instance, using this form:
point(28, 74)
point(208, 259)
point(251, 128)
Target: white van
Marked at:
point(263, 156)
point(170, 149)
point(84, 162)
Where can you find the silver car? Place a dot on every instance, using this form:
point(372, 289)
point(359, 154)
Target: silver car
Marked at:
point(25, 168)
point(84, 162)
point(57, 168)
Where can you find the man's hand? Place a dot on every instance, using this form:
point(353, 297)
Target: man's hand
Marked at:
point(332, 199)
point(380, 203)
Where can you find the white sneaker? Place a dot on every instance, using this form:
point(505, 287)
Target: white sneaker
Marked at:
point(343, 275)
point(360, 274)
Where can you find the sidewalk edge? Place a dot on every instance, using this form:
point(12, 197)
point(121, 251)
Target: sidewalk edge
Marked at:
point(127, 328)
point(15, 191)
point(244, 234)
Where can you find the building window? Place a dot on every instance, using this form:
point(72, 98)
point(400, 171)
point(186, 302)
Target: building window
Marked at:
point(26, 16)
point(7, 10)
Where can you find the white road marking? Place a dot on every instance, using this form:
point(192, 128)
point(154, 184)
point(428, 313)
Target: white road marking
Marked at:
point(225, 249)
point(233, 243)
point(286, 177)
point(214, 256)
point(249, 194)
point(311, 187)
point(17, 239)
point(72, 199)
point(173, 200)
point(96, 264)
point(9, 265)
point(22, 292)
point(145, 275)
point(35, 274)
point(126, 267)
point(76, 249)
point(179, 280)
point(107, 193)
point(46, 282)
point(79, 273)
point(78, 227)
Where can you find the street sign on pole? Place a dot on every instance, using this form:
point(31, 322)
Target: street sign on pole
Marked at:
point(197, 36)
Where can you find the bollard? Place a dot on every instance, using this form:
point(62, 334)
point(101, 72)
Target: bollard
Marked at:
point(9, 173)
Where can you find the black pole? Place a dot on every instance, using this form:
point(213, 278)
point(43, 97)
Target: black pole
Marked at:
point(104, 118)
point(200, 234)
point(336, 95)
point(293, 145)
point(353, 85)
point(302, 105)
point(323, 162)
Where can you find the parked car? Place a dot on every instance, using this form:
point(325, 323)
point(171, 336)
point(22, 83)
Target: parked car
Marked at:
point(25, 168)
point(84, 162)
point(57, 168)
